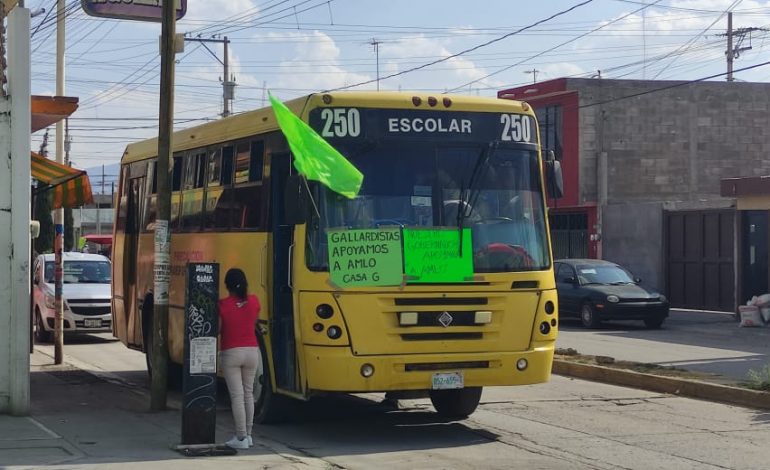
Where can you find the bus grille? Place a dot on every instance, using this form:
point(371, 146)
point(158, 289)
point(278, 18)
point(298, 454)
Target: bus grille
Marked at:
point(423, 366)
point(439, 336)
point(441, 301)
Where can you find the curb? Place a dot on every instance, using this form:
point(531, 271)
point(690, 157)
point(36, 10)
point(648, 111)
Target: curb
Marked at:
point(656, 383)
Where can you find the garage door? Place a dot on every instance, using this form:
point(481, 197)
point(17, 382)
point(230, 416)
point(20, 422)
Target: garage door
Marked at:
point(699, 270)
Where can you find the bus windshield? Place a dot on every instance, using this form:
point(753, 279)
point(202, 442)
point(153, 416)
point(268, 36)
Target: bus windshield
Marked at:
point(411, 184)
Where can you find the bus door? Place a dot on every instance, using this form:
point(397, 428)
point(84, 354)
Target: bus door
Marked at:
point(130, 258)
point(282, 315)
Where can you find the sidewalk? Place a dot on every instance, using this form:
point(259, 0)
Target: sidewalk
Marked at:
point(693, 340)
point(710, 344)
point(80, 421)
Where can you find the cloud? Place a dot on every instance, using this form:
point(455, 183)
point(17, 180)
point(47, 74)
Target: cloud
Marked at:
point(314, 64)
point(453, 72)
point(213, 10)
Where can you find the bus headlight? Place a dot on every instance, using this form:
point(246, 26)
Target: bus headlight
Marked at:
point(367, 370)
point(334, 332)
point(521, 364)
point(324, 311)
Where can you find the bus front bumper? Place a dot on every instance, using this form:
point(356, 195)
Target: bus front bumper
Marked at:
point(332, 369)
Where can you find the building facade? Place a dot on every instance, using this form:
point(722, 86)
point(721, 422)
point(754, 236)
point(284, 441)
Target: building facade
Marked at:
point(642, 163)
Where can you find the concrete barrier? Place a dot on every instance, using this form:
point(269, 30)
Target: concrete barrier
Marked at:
point(673, 385)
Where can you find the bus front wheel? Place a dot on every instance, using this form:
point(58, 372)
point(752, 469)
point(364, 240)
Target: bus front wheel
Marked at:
point(459, 403)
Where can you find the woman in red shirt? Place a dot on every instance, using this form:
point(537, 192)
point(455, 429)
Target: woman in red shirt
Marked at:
point(240, 358)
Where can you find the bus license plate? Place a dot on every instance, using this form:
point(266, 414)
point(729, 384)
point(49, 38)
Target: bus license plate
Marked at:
point(93, 323)
point(448, 381)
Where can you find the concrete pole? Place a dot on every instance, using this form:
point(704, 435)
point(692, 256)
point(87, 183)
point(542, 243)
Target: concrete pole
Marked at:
point(59, 213)
point(162, 264)
point(730, 52)
point(17, 273)
point(226, 81)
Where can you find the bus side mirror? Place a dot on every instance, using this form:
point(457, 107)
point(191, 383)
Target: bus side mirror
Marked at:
point(295, 201)
point(553, 178)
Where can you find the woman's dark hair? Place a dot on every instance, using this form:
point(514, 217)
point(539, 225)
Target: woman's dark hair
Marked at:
point(235, 281)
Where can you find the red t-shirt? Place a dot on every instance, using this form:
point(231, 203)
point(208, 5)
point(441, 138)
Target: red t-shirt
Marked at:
point(239, 318)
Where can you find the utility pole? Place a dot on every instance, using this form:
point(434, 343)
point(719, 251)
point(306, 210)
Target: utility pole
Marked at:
point(376, 44)
point(228, 83)
point(58, 242)
point(534, 73)
point(162, 264)
point(734, 48)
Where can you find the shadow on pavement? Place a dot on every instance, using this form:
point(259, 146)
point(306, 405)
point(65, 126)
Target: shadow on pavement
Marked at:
point(85, 418)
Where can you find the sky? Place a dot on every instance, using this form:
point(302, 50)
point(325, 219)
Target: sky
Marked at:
point(296, 47)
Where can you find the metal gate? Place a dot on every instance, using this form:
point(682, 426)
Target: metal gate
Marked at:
point(700, 273)
point(569, 235)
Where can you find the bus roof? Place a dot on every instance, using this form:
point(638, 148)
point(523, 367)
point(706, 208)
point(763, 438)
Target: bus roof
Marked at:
point(263, 120)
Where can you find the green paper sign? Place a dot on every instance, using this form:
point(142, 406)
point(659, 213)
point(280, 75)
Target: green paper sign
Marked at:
point(365, 257)
point(433, 255)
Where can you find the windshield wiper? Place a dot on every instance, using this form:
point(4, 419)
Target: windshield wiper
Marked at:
point(481, 165)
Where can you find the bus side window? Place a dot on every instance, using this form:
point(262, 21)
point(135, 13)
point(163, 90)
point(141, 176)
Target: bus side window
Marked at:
point(151, 198)
point(120, 223)
point(216, 211)
point(192, 195)
point(247, 194)
point(176, 185)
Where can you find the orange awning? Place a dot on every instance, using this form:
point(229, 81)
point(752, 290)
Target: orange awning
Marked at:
point(71, 187)
point(47, 110)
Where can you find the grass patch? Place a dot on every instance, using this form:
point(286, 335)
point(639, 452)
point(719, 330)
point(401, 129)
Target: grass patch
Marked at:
point(759, 379)
point(571, 355)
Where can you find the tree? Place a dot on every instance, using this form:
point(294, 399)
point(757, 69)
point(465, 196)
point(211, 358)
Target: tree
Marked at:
point(43, 203)
point(42, 209)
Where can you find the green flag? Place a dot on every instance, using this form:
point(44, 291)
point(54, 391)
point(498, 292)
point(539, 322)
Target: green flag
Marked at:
point(314, 157)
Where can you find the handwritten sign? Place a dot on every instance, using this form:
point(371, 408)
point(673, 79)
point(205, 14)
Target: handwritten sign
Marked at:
point(365, 257)
point(433, 255)
point(199, 382)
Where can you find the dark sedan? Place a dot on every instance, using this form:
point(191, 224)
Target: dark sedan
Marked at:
point(596, 290)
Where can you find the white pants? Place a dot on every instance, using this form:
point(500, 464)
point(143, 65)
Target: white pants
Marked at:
point(240, 366)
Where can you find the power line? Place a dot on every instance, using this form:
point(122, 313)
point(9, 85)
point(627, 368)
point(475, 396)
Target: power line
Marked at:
point(668, 87)
point(553, 48)
point(452, 56)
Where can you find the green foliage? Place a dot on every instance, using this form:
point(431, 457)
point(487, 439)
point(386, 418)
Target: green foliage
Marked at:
point(43, 203)
point(69, 230)
point(759, 380)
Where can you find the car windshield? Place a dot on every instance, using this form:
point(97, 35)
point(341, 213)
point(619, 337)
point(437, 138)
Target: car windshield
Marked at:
point(603, 274)
point(81, 272)
point(419, 185)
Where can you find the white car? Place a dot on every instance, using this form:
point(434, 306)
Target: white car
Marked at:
point(85, 293)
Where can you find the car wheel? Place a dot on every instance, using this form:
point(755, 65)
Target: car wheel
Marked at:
point(41, 334)
point(653, 323)
point(588, 316)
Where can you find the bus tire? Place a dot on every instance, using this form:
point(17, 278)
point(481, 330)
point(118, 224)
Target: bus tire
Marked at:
point(269, 407)
point(456, 404)
point(174, 371)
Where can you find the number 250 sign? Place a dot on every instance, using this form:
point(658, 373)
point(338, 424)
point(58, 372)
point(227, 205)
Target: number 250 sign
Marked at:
point(140, 10)
point(516, 128)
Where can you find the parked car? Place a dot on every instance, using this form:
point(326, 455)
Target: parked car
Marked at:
point(86, 294)
point(597, 290)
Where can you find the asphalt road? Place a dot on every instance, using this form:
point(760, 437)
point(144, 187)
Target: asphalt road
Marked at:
point(564, 424)
point(700, 341)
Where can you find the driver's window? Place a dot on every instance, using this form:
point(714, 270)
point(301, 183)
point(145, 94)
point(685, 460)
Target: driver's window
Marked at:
point(565, 272)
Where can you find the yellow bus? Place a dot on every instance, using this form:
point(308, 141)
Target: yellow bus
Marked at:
point(434, 168)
